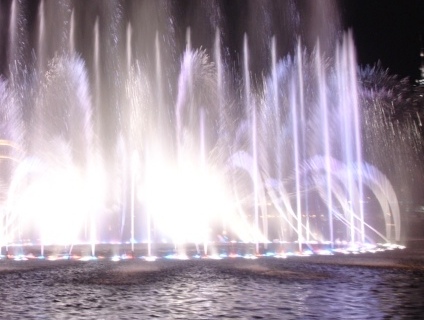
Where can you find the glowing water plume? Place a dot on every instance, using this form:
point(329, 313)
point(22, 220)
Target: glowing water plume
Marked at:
point(51, 177)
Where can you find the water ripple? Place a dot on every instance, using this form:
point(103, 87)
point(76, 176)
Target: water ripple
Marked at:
point(227, 289)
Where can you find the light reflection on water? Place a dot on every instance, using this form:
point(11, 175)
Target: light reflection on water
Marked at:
point(197, 289)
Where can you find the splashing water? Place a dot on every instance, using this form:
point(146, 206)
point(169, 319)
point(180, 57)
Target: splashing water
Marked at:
point(122, 134)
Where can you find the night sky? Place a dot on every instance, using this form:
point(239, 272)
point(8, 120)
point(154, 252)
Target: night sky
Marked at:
point(388, 31)
point(384, 30)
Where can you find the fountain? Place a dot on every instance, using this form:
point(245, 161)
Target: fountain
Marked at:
point(122, 125)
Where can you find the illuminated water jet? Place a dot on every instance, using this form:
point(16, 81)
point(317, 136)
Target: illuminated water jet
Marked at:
point(144, 140)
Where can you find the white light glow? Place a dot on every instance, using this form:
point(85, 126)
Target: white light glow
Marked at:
point(184, 201)
point(53, 206)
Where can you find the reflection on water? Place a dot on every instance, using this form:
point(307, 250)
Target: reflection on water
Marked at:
point(199, 289)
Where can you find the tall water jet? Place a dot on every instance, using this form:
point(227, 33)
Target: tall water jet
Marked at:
point(357, 130)
point(129, 47)
point(41, 38)
point(134, 173)
point(323, 102)
point(276, 103)
point(17, 42)
point(14, 32)
point(96, 59)
point(295, 121)
point(347, 83)
point(159, 86)
point(251, 116)
point(97, 101)
point(221, 95)
point(72, 48)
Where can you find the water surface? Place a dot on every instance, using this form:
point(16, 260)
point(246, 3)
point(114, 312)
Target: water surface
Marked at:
point(293, 288)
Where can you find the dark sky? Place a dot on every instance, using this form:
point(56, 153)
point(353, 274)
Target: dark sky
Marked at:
point(387, 30)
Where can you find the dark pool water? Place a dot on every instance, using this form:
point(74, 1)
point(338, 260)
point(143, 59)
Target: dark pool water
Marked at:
point(293, 288)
